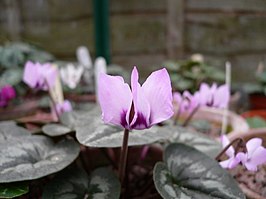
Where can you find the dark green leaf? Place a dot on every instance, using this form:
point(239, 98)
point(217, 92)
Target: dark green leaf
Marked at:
point(11, 76)
point(74, 183)
point(189, 174)
point(12, 190)
point(71, 183)
point(55, 129)
point(24, 157)
point(195, 139)
point(104, 184)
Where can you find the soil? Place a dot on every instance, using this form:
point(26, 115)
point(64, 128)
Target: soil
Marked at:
point(255, 181)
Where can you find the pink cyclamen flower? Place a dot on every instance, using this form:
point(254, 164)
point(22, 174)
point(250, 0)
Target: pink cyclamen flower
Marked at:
point(39, 76)
point(255, 155)
point(185, 102)
point(233, 160)
point(214, 96)
point(139, 107)
point(63, 107)
point(6, 94)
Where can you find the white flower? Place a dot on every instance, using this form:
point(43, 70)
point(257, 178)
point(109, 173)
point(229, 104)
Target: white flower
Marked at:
point(71, 75)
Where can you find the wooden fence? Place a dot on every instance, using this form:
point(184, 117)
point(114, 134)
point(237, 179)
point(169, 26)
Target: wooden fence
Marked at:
point(146, 33)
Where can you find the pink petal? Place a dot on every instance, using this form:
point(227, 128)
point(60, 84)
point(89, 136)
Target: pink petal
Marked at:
point(204, 93)
point(49, 74)
point(141, 106)
point(225, 141)
point(258, 157)
point(230, 163)
point(115, 99)
point(252, 145)
point(158, 91)
point(221, 96)
point(31, 74)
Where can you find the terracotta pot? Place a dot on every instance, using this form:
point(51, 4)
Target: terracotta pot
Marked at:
point(259, 133)
point(254, 113)
point(257, 101)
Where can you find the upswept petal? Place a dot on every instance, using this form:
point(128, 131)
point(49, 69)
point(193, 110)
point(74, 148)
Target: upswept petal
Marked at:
point(252, 146)
point(115, 99)
point(225, 141)
point(158, 91)
point(31, 74)
point(258, 157)
point(221, 96)
point(204, 94)
point(49, 73)
point(230, 163)
point(141, 104)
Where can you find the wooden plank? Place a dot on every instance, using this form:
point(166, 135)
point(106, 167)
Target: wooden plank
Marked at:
point(216, 34)
point(133, 6)
point(244, 66)
point(60, 38)
point(55, 10)
point(175, 29)
point(138, 34)
point(145, 63)
point(227, 5)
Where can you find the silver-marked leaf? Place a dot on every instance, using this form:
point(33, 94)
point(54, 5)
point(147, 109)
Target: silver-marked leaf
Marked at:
point(104, 184)
point(195, 139)
point(98, 134)
point(12, 190)
point(71, 183)
point(32, 157)
point(9, 129)
point(74, 183)
point(75, 119)
point(189, 174)
point(55, 129)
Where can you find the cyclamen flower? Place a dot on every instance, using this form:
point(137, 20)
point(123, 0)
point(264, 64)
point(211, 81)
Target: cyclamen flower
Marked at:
point(71, 75)
point(185, 102)
point(39, 76)
point(139, 107)
point(214, 96)
point(255, 155)
point(6, 94)
point(233, 161)
point(63, 107)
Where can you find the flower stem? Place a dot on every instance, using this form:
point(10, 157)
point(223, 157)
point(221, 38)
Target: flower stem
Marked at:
point(190, 116)
point(52, 99)
point(123, 156)
point(239, 140)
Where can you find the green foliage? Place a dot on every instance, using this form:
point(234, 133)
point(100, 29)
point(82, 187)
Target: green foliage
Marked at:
point(187, 75)
point(26, 157)
point(13, 57)
point(12, 190)
point(189, 174)
point(74, 183)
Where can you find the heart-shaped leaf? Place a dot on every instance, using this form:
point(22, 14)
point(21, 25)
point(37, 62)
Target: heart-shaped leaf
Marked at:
point(9, 129)
point(55, 129)
point(74, 183)
point(31, 157)
point(195, 139)
point(98, 134)
point(91, 131)
point(12, 190)
point(189, 174)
